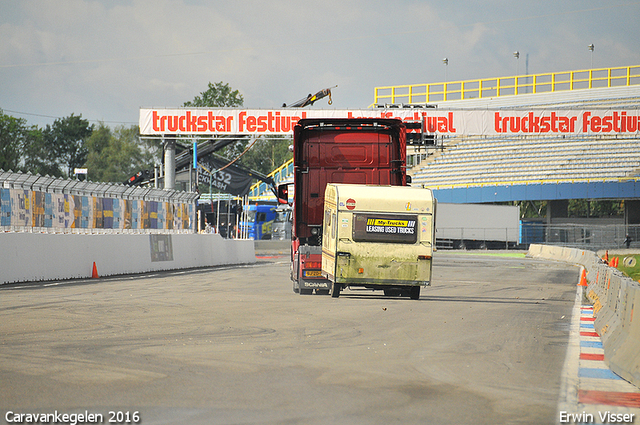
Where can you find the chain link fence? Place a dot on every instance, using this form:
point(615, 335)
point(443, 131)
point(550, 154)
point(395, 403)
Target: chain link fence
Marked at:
point(591, 237)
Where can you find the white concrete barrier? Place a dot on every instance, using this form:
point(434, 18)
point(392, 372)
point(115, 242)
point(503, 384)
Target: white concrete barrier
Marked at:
point(26, 257)
point(614, 296)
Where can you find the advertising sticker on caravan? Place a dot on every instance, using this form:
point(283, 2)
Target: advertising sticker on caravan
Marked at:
point(385, 228)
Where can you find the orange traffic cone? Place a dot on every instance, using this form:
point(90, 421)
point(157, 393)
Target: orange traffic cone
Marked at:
point(583, 278)
point(94, 274)
point(606, 257)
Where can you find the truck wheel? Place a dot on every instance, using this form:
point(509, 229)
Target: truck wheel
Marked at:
point(415, 293)
point(335, 290)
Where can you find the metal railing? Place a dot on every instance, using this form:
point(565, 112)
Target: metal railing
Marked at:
point(278, 175)
point(507, 86)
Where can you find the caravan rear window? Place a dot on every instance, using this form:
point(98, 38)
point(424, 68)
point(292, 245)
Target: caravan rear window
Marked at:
point(394, 228)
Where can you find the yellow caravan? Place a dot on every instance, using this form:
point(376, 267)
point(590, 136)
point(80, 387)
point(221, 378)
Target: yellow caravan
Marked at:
point(378, 237)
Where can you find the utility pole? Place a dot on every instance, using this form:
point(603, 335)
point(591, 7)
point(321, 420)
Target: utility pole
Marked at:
point(170, 163)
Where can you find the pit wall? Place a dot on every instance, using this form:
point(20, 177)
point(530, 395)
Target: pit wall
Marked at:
point(26, 257)
point(614, 296)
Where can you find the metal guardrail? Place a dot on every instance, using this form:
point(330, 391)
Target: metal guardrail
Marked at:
point(507, 86)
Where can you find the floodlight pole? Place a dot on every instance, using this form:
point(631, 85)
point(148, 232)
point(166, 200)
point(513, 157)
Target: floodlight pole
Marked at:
point(516, 55)
point(445, 61)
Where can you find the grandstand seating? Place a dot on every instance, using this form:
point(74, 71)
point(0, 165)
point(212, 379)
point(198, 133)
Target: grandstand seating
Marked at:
point(500, 160)
point(509, 160)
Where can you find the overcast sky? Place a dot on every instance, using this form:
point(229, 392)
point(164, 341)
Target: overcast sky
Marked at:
point(106, 59)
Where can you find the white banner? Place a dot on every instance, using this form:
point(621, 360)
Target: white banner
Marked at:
point(464, 122)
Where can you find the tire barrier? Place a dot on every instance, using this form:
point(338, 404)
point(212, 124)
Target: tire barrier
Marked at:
point(614, 297)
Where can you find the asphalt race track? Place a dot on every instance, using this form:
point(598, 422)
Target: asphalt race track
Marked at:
point(484, 345)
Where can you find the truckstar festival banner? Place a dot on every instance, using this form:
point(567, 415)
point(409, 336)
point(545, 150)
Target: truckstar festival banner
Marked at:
point(197, 121)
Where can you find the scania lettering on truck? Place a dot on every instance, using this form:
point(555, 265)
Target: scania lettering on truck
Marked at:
point(378, 237)
point(342, 150)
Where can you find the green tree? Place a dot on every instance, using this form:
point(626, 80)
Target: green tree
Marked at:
point(217, 95)
point(115, 155)
point(38, 155)
point(12, 136)
point(265, 155)
point(221, 95)
point(531, 209)
point(595, 208)
point(67, 138)
point(98, 152)
point(268, 154)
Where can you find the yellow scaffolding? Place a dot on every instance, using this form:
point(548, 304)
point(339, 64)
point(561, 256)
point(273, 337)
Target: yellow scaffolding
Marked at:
point(279, 174)
point(507, 86)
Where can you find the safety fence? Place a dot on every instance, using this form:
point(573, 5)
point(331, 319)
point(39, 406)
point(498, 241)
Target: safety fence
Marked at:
point(614, 296)
point(582, 236)
point(43, 204)
point(471, 237)
point(508, 86)
point(592, 237)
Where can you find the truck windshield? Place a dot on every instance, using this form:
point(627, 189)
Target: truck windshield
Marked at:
point(282, 216)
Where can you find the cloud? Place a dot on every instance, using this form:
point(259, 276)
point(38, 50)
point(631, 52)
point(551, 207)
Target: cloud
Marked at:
point(105, 59)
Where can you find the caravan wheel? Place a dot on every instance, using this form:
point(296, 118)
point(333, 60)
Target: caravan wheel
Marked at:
point(415, 293)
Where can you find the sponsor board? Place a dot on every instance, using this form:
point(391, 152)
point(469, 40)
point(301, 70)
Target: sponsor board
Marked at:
point(194, 121)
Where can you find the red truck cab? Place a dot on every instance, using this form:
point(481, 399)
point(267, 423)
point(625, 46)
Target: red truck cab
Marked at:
point(336, 150)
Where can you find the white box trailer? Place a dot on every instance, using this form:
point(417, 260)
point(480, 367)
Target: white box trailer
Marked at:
point(477, 226)
point(378, 237)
